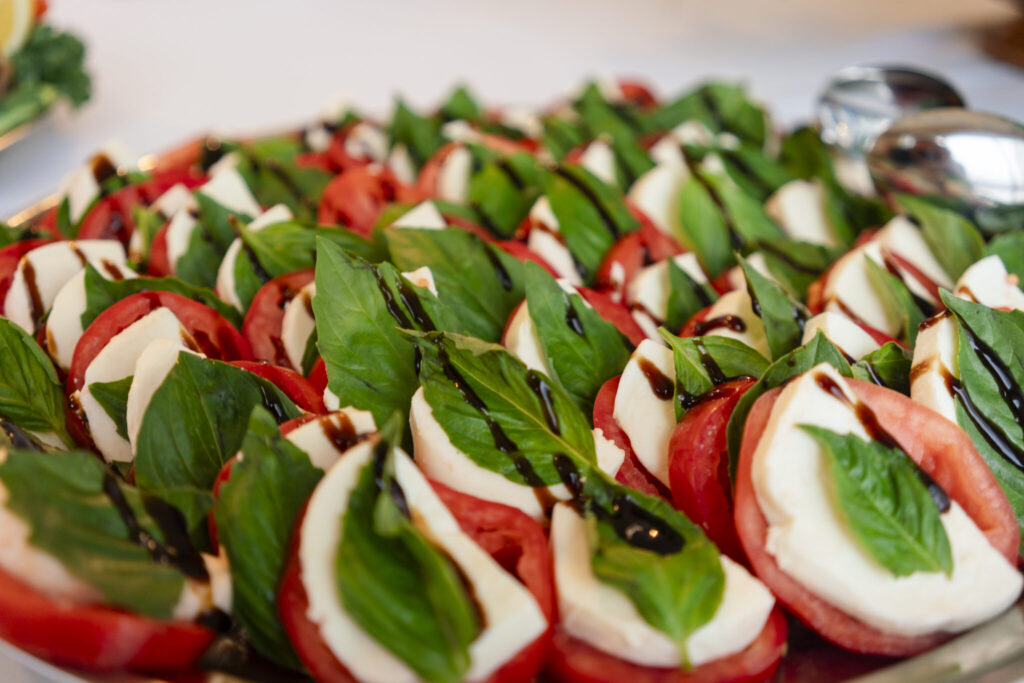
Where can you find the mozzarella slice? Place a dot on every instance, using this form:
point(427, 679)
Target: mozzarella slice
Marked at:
point(522, 340)
point(115, 361)
point(326, 437)
point(201, 596)
point(153, 362)
point(756, 260)
point(656, 193)
point(227, 187)
point(799, 209)
point(987, 282)
point(599, 159)
point(648, 292)
point(646, 418)
point(935, 365)
point(737, 304)
point(522, 119)
point(64, 324)
point(542, 213)
point(423, 216)
point(511, 616)
point(81, 187)
point(693, 132)
point(226, 271)
point(179, 234)
point(173, 200)
point(902, 237)
point(549, 247)
point(318, 138)
point(853, 174)
point(442, 461)
point(367, 141)
point(453, 175)
point(331, 400)
point(422, 277)
point(811, 541)
point(460, 131)
point(849, 290)
point(400, 163)
point(42, 272)
point(841, 331)
point(298, 325)
point(604, 617)
point(667, 150)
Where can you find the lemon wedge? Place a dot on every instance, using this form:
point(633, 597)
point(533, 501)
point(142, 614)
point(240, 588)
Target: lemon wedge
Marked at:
point(15, 22)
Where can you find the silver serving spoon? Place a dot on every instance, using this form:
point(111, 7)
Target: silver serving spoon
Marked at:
point(860, 102)
point(972, 159)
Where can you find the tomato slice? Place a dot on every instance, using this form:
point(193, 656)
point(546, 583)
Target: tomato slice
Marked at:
point(631, 473)
point(574, 661)
point(318, 376)
point(111, 217)
point(639, 249)
point(262, 325)
point(356, 197)
point(10, 257)
point(523, 253)
point(512, 538)
point(94, 637)
point(614, 312)
point(698, 465)
point(940, 448)
point(159, 264)
point(295, 386)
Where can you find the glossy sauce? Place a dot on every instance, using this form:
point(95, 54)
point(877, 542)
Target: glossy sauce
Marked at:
point(661, 386)
point(572, 318)
point(542, 389)
point(606, 217)
point(730, 321)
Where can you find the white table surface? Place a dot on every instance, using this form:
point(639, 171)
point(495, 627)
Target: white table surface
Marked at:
point(167, 69)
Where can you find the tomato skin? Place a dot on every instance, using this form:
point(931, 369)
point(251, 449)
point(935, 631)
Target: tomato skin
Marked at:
point(631, 473)
point(262, 325)
point(111, 217)
point(10, 257)
point(95, 638)
point(515, 541)
point(614, 312)
point(698, 466)
point(523, 253)
point(318, 376)
point(940, 448)
point(639, 249)
point(356, 197)
point(295, 386)
point(637, 93)
point(159, 264)
point(574, 661)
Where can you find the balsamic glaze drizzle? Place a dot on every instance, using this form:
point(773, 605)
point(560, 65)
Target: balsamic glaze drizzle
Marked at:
point(504, 279)
point(542, 389)
point(606, 217)
point(572, 317)
point(661, 386)
point(733, 322)
point(19, 437)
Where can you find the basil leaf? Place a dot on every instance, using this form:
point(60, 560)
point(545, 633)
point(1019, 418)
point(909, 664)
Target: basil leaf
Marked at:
point(621, 125)
point(888, 366)
point(209, 241)
point(561, 136)
point(795, 265)
point(703, 228)
point(420, 135)
point(745, 214)
point(591, 215)
point(31, 395)
point(503, 191)
point(686, 296)
point(358, 309)
point(702, 363)
point(63, 499)
point(898, 301)
point(783, 318)
point(1010, 248)
point(299, 188)
point(113, 398)
point(722, 107)
point(583, 350)
point(147, 225)
point(461, 105)
point(754, 172)
point(505, 417)
point(479, 281)
point(403, 592)
point(196, 420)
point(796, 362)
point(218, 222)
point(288, 246)
point(676, 592)
point(101, 294)
point(257, 510)
point(955, 242)
point(880, 494)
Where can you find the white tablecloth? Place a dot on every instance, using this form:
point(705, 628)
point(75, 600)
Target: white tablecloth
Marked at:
point(165, 70)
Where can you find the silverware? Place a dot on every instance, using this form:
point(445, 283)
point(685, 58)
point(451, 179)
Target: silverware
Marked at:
point(860, 102)
point(975, 161)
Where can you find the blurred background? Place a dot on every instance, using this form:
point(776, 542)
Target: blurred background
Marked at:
point(166, 70)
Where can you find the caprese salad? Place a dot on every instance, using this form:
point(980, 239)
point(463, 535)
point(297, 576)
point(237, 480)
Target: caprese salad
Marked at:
point(622, 389)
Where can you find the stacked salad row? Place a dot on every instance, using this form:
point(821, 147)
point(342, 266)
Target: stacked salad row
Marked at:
point(615, 390)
